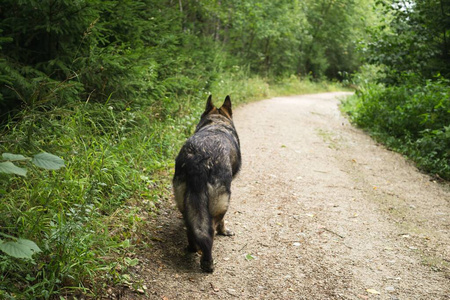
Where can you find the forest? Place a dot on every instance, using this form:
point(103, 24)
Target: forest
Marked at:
point(97, 96)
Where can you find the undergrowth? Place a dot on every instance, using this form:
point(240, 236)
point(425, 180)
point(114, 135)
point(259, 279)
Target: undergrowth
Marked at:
point(89, 217)
point(412, 118)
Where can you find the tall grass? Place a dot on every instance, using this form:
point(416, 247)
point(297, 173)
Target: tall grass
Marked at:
point(87, 218)
point(244, 89)
point(294, 86)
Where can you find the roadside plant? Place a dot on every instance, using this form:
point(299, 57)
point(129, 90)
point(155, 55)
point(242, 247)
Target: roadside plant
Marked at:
point(18, 247)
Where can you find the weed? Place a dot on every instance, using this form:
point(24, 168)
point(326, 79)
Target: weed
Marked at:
point(329, 138)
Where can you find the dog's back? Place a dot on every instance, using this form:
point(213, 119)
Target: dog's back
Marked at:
point(204, 170)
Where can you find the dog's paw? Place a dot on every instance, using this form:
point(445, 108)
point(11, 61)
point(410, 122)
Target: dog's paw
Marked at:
point(207, 266)
point(226, 232)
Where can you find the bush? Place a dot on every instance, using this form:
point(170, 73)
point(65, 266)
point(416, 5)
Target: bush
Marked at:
point(412, 118)
point(56, 53)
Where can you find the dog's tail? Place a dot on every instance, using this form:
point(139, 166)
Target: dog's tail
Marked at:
point(198, 218)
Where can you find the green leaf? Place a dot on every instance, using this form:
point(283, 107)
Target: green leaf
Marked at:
point(125, 244)
point(13, 157)
point(249, 257)
point(21, 248)
point(48, 161)
point(10, 168)
point(131, 262)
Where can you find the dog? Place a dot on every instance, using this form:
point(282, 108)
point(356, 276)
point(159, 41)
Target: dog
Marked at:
point(204, 169)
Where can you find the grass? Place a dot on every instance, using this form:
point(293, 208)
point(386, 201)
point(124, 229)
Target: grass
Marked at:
point(89, 217)
point(294, 86)
point(329, 138)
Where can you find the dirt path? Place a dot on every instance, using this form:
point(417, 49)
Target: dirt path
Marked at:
point(320, 211)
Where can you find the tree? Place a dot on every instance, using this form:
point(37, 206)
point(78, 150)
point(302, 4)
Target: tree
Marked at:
point(413, 39)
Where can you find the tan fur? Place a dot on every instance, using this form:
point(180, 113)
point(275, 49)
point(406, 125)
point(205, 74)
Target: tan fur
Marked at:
point(179, 190)
point(218, 200)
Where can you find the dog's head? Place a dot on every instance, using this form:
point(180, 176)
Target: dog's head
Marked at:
point(224, 110)
point(214, 115)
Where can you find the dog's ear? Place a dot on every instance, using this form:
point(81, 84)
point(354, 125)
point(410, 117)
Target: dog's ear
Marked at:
point(226, 107)
point(209, 105)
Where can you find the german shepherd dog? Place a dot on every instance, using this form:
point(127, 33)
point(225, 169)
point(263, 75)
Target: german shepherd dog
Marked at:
point(204, 169)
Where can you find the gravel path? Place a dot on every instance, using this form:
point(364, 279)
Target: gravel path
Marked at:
point(320, 211)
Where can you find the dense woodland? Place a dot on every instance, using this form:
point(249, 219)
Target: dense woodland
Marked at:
point(59, 52)
point(110, 89)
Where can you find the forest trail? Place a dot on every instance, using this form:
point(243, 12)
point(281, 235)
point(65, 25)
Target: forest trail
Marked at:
point(320, 211)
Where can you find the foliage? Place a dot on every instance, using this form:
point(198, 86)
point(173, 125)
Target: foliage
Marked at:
point(412, 38)
point(18, 248)
point(412, 118)
point(282, 38)
point(334, 32)
point(60, 52)
point(68, 212)
point(43, 160)
point(57, 52)
point(403, 93)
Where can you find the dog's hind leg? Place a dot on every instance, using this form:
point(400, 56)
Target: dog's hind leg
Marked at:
point(192, 245)
point(206, 261)
point(218, 210)
point(200, 236)
point(220, 227)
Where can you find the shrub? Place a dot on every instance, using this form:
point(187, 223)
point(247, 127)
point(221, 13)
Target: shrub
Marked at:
point(412, 118)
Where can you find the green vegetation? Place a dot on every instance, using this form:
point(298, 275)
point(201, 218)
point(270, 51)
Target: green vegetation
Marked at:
point(88, 217)
point(413, 119)
point(404, 96)
point(114, 87)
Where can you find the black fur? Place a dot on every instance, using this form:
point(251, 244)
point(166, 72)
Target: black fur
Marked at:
point(204, 169)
